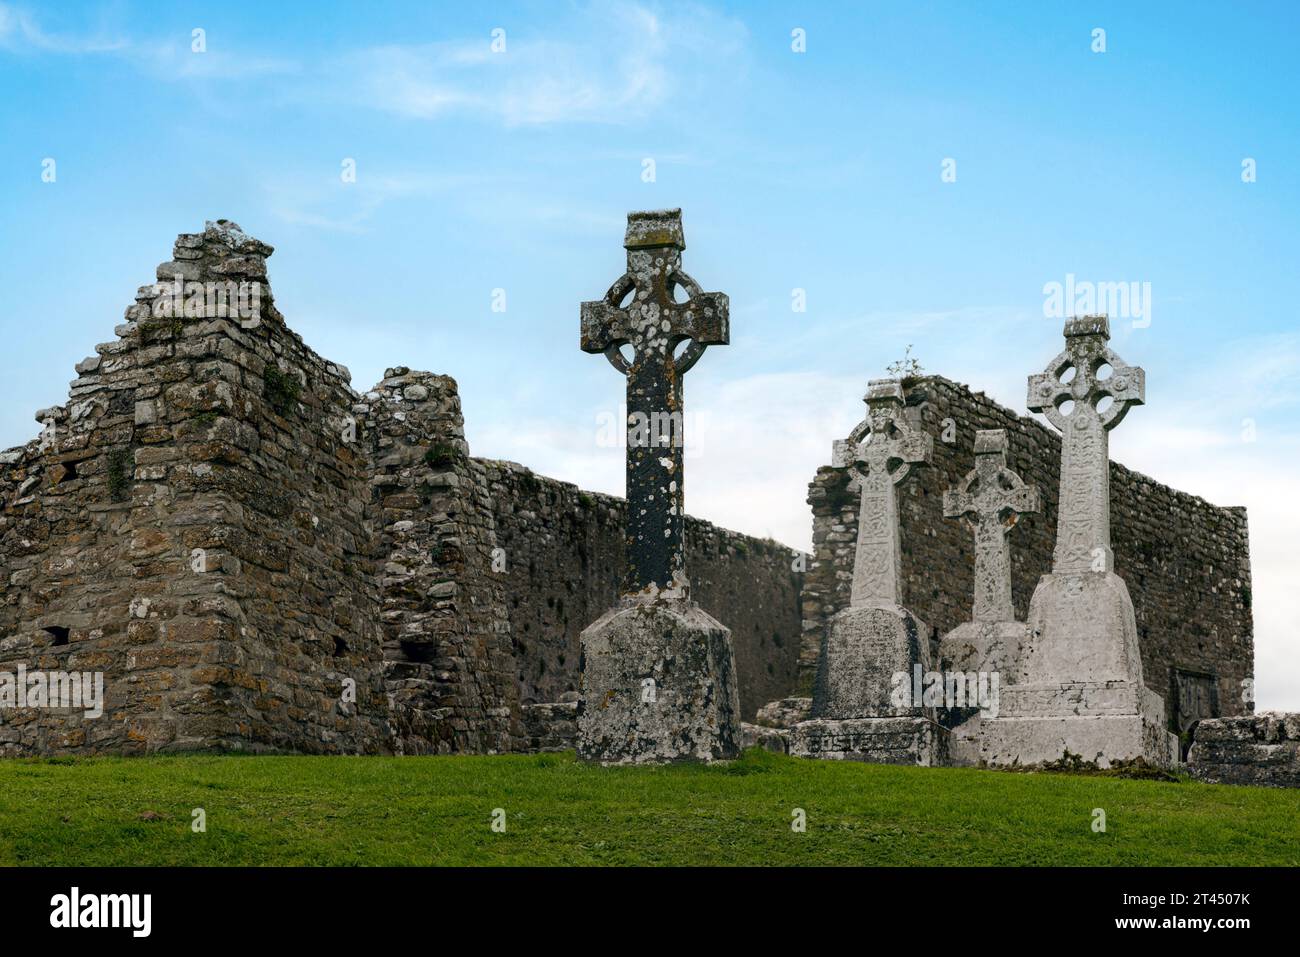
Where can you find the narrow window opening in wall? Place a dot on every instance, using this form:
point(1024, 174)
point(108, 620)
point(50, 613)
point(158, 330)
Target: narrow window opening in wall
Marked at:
point(418, 651)
point(340, 648)
point(59, 633)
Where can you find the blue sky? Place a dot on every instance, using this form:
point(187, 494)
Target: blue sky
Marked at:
point(818, 171)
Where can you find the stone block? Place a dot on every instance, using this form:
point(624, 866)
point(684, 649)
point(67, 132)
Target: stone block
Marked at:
point(892, 740)
point(785, 713)
point(989, 646)
point(1103, 740)
point(865, 649)
point(658, 686)
point(1261, 749)
point(1078, 689)
point(1082, 629)
point(776, 740)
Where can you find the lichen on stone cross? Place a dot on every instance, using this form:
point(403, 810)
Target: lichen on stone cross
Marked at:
point(642, 312)
point(991, 497)
point(880, 451)
point(1085, 401)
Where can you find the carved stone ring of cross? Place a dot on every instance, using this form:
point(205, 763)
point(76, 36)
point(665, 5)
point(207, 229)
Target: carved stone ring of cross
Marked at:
point(878, 425)
point(1005, 480)
point(1126, 385)
point(614, 298)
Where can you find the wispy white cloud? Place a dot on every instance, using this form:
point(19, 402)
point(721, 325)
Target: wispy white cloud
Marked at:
point(21, 33)
point(327, 203)
point(617, 62)
point(610, 61)
point(167, 58)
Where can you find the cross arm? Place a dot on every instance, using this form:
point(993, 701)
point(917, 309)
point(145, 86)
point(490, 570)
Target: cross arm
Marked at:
point(957, 502)
point(914, 447)
point(1022, 498)
point(1127, 386)
point(603, 326)
point(1046, 388)
point(706, 318)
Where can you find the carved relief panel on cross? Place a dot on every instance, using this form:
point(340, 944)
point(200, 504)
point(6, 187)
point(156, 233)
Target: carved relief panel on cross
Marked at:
point(880, 451)
point(658, 314)
point(1085, 392)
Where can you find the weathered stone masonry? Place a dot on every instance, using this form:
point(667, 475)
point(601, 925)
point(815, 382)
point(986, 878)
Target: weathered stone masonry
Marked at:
point(565, 558)
point(193, 525)
point(1185, 561)
point(260, 558)
point(447, 654)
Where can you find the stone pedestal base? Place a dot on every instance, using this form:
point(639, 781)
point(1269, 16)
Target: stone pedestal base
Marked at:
point(1104, 724)
point(988, 646)
point(1078, 688)
point(867, 656)
point(918, 741)
point(658, 686)
point(1081, 629)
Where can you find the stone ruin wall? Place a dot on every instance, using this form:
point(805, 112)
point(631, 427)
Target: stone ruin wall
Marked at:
point(349, 538)
point(447, 652)
point(563, 550)
point(1186, 562)
point(218, 522)
point(189, 525)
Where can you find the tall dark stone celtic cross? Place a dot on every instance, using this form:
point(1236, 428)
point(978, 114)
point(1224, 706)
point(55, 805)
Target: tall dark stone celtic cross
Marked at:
point(642, 311)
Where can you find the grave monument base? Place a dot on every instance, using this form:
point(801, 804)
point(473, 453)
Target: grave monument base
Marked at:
point(988, 646)
point(1079, 690)
point(658, 686)
point(895, 740)
point(1103, 736)
point(868, 654)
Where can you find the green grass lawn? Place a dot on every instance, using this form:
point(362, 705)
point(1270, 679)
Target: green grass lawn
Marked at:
point(358, 810)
